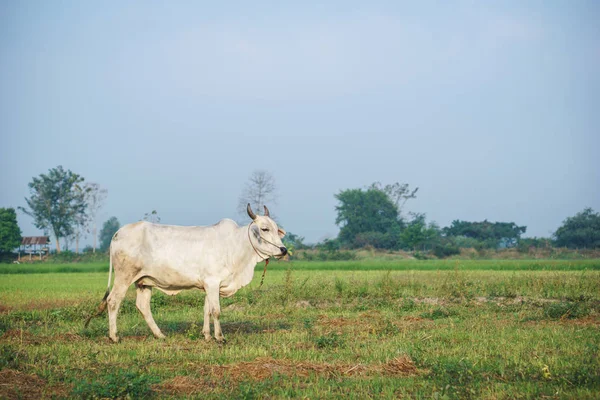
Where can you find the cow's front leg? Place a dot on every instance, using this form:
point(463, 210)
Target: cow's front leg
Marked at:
point(214, 309)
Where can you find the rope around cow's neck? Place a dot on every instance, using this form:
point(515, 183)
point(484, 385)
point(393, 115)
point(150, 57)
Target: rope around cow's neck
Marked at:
point(266, 260)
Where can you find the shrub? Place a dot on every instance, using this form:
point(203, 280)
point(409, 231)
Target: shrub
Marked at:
point(447, 249)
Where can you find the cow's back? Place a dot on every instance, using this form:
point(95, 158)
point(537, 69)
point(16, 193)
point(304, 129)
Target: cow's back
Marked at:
point(145, 243)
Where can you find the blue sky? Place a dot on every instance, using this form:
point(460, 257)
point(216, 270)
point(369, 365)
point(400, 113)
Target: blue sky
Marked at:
point(490, 109)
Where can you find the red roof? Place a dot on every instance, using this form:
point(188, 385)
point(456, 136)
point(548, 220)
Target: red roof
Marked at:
point(28, 240)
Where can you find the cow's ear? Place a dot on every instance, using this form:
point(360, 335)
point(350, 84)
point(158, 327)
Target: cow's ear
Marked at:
point(281, 232)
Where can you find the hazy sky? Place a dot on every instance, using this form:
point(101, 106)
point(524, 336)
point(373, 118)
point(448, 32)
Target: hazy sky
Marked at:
point(491, 108)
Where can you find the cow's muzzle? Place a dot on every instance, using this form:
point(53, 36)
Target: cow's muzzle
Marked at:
point(283, 251)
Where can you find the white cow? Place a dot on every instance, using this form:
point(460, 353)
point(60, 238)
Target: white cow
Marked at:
point(218, 259)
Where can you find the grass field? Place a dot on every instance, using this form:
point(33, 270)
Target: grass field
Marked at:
point(359, 329)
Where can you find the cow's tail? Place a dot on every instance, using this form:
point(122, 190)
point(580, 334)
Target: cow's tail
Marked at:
point(102, 306)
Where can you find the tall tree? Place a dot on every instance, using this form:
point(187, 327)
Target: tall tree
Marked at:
point(95, 196)
point(398, 193)
point(364, 211)
point(57, 201)
point(259, 190)
point(110, 227)
point(580, 231)
point(10, 233)
point(81, 223)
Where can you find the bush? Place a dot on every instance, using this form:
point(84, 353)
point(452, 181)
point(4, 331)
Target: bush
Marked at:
point(376, 239)
point(447, 249)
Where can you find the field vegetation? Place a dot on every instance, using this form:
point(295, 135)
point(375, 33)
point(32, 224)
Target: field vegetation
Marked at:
point(360, 329)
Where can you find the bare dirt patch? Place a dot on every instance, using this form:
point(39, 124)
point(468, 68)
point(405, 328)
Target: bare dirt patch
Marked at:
point(18, 385)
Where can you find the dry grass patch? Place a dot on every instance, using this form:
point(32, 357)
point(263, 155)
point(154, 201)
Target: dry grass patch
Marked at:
point(265, 367)
point(21, 336)
point(18, 385)
point(588, 321)
point(219, 377)
point(338, 322)
point(44, 305)
point(185, 385)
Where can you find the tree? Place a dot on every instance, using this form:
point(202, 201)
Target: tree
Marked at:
point(580, 231)
point(398, 193)
point(110, 227)
point(57, 202)
point(492, 234)
point(294, 241)
point(95, 196)
point(418, 233)
point(369, 213)
point(80, 226)
point(10, 233)
point(259, 190)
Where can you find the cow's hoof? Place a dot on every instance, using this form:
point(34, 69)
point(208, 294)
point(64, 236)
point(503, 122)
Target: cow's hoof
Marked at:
point(114, 339)
point(208, 338)
point(221, 340)
point(160, 336)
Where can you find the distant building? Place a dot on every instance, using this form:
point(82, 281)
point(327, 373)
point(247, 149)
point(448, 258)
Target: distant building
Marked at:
point(37, 245)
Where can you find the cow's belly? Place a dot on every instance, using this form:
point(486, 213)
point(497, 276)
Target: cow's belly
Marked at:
point(169, 281)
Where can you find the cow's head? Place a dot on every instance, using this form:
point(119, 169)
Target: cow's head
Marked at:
point(266, 235)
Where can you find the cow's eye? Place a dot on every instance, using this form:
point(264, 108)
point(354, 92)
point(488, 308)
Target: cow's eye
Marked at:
point(264, 229)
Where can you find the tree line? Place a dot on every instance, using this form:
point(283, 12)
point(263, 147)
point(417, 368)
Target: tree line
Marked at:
point(374, 217)
point(64, 204)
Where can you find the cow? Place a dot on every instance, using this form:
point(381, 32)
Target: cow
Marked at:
point(218, 259)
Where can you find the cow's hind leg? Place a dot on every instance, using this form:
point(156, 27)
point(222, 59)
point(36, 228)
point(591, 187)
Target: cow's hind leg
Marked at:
point(214, 309)
point(206, 323)
point(114, 300)
point(142, 302)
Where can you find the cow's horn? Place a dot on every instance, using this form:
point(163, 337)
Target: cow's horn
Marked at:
point(250, 213)
point(266, 211)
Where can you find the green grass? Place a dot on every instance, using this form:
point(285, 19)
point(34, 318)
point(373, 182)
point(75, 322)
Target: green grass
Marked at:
point(354, 265)
point(342, 330)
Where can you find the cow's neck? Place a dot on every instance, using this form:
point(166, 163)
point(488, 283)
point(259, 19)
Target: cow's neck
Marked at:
point(250, 254)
